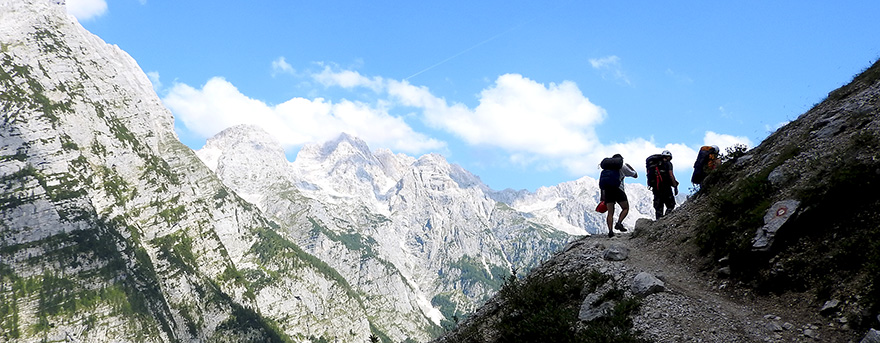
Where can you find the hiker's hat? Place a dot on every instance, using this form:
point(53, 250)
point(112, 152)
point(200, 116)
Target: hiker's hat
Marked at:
point(667, 154)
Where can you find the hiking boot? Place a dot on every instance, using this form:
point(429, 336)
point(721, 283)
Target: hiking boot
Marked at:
point(610, 233)
point(620, 227)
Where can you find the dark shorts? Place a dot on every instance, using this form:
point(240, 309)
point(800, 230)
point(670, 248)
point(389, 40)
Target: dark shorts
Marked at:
point(615, 195)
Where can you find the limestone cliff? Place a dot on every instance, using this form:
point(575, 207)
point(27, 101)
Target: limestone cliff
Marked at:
point(112, 230)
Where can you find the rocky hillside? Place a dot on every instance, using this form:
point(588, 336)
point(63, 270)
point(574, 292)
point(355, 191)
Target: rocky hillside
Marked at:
point(781, 244)
point(112, 230)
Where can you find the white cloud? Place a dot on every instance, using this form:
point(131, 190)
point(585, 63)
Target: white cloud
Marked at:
point(347, 79)
point(724, 141)
point(280, 66)
point(219, 105)
point(516, 114)
point(86, 9)
point(610, 67)
point(522, 115)
point(605, 62)
point(724, 113)
point(154, 79)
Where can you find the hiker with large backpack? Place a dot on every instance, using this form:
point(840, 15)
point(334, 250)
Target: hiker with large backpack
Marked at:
point(662, 182)
point(611, 184)
point(707, 161)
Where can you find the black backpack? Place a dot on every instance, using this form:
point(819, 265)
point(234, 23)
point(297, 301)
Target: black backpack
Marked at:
point(610, 176)
point(654, 167)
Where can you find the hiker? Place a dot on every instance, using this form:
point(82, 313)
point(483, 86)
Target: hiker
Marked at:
point(662, 182)
point(611, 183)
point(707, 161)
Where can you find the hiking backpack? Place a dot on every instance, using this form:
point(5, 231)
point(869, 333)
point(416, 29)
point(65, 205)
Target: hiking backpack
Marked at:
point(706, 162)
point(654, 167)
point(610, 176)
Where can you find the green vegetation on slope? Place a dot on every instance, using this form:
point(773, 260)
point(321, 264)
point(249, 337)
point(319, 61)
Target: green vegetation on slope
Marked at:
point(831, 246)
point(543, 306)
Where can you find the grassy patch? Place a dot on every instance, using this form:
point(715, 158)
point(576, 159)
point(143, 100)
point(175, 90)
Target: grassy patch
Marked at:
point(449, 309)
point(245, 325)
point(540, 308)
point(736, 214)
point(284, 256)
point(176, 248)
point(474, 272)
point(830, 247)
point(23, 91)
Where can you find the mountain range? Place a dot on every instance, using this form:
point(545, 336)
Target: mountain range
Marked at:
point(113, 230)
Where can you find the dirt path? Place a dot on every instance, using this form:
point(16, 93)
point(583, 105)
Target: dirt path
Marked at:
point(700, 307)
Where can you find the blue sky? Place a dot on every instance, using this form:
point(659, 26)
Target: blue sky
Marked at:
point(522, 93)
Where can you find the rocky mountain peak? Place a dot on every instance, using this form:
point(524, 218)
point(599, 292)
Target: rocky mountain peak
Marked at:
point(34, 5)
point(246, 157)
point(243, 144)
point(344, 148)
point(254, 137)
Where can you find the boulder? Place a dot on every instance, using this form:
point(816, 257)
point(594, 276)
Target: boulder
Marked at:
point(873, 336)
point(616, 253)
point(589, 312)
point(642, 225)
point(780, 176)
point(775, 218)
point(774, 327)
point(646, 284)
point(830, 307)
point(591, 308)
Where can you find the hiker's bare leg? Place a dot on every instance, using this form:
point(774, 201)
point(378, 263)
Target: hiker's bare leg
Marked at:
point(610, 218)
point(624, 210)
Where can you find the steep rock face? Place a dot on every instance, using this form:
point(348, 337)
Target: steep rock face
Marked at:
point(114, 231)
